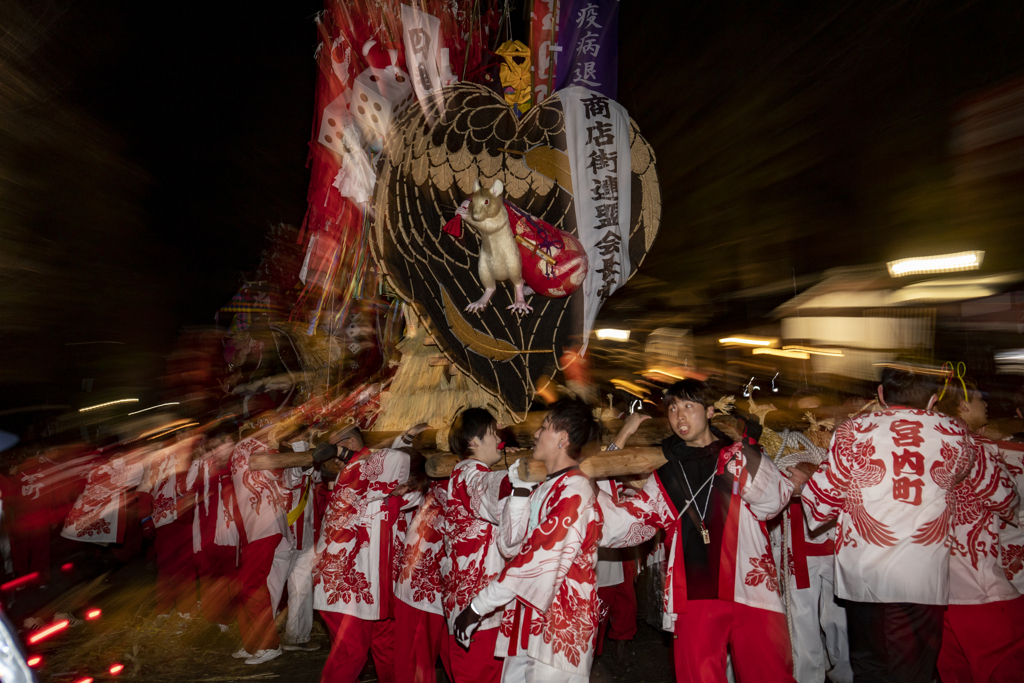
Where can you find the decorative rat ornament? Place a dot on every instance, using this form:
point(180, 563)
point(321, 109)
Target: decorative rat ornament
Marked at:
point(499, 255)
point(553, 263)
point(516, 76)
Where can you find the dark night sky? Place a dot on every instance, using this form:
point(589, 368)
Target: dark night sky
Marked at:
point(791, 137)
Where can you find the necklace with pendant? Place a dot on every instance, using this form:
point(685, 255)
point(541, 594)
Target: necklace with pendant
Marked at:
point(703, 529)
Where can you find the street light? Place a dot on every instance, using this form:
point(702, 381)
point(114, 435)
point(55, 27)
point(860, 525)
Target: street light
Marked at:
point(940, 263)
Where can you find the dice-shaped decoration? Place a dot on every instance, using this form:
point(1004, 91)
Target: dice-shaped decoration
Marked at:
point(333, 133)
point(378, 96)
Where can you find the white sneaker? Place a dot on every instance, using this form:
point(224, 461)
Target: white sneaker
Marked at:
point(302, 647)
point(262, 656)
point(241, 654)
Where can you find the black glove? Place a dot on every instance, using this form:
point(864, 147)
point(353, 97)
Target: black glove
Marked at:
point(465, 625)
point(324, 452)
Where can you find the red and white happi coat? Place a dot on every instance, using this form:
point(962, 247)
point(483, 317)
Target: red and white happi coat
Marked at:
point(981, 503)
point(163, 483)
point(99, 514)
point(1011, 537)
point(418, 581)
point(803, 543)
point(214, 522)
point(889, 482)
point(471, 558)
point(549, 586)
point(353, 571)
point(747, 571)
point(260, 498)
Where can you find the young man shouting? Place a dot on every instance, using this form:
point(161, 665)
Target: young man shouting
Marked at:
point(712, 499)
point(548, 589)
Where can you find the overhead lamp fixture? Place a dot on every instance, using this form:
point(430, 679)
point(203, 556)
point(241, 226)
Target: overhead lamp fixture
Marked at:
point(798, 355)
point(941, 263)
point(613, 334)
point(747, 341)
point(815, 351)
point(109, 403)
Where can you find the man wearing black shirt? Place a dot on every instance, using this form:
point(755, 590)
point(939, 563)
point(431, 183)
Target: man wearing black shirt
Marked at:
point(712, 498)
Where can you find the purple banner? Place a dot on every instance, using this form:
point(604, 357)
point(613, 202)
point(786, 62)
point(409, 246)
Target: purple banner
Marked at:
point(588, 38)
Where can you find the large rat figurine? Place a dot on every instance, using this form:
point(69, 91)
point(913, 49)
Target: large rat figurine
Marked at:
point(499, 255)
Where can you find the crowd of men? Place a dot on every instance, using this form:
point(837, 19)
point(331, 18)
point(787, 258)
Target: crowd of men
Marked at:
point(904, 557)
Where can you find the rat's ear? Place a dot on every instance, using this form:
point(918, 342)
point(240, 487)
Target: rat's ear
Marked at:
point(476, 185)
point(497, 188)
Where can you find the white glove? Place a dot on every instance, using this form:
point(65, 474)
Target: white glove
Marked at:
point(517, 483)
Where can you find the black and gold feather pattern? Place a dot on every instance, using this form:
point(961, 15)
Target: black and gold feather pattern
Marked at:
point(427, 171)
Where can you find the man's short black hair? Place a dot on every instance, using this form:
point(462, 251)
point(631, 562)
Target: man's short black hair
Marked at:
point(903, 384)
point(690, 390)
point(471, 423)
point(576, 419)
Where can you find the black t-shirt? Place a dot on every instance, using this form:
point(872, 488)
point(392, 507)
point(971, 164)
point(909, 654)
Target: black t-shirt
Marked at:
point(701, 559)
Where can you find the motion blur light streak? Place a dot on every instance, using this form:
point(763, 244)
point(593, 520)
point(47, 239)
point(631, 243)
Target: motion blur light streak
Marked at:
point(109, 403)
point(20, 581)
point(942, 263)
point(87, 679)
point(173, 429)
point(814, 351)
point(47, 632)
point(67, 567)
point(116, 669)
point(34, 660)
point(162, 405)
point(631, 388)
point(798, 355)
point(93, 614)
point(613, 334)
point(747, 341)
point(921, 369)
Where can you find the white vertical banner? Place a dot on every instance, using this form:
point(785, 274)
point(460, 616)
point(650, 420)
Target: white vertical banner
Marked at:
point(597, 137)
point(422, 35)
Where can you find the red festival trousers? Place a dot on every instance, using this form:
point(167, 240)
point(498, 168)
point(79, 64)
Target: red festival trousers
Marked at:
point(352, 639)
point(621, 601)
point(982, 643)
point(479, 665)
point(757, 638)
point(175, 569)
point(422, 637)
point(255, 613)
point(218, 582)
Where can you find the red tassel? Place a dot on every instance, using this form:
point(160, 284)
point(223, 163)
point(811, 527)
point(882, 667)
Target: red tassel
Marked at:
point(454, 227)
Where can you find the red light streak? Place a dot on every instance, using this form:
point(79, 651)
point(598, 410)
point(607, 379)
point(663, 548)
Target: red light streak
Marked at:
point(34, 660)
point(67, 567)
point(84, 680)
point(93, 614)
point(47, 632)
point(21, 580)
point(116, 669)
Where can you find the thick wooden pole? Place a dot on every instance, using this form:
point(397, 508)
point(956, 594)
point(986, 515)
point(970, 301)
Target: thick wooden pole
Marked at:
point(638, 460)
point(629, 461)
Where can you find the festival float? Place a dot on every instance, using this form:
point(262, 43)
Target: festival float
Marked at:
point(474, 199)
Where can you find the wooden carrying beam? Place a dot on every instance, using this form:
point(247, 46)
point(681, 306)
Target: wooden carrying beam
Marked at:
point(639, 460)
point(628, 461)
